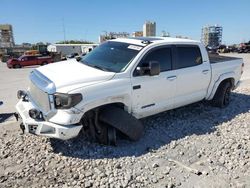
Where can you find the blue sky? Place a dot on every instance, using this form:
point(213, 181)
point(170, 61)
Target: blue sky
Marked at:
point(42, 20)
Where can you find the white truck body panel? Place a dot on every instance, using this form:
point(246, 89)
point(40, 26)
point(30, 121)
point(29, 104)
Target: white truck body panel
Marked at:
point(222, 71)
point(168, 90)
point(71, 72)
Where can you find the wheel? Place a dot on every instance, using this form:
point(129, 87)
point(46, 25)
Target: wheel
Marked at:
point(97, 130)
point(122, 121)
point(111, 136)
point(222, 96)
point(104, 124)
point(17, 66)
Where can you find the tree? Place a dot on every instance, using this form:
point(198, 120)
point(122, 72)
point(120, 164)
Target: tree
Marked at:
point(74, 42)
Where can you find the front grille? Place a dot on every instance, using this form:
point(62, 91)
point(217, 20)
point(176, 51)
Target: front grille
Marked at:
point(39, 97)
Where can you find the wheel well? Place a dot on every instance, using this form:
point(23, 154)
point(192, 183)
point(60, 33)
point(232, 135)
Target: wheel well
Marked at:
point(90, 121)
point(118, 104)
point(230, 80)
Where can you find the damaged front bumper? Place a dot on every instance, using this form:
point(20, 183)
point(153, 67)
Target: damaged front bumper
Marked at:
point(43, 127)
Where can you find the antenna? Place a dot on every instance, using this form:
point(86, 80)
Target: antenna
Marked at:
point(64, 35)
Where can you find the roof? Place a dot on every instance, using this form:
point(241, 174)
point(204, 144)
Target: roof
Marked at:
point(158, 40)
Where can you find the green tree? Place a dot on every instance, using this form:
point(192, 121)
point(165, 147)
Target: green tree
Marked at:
point(74, 42)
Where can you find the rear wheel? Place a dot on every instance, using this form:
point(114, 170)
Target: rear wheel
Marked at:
point(222, 96)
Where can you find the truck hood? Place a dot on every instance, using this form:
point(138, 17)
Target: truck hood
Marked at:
point(72, 73)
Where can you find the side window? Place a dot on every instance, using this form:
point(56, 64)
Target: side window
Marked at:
point(30, 58)
point(163, 56)
point(188, 56)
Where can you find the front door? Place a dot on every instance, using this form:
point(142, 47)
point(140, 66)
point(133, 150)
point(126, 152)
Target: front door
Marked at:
point(154, 94)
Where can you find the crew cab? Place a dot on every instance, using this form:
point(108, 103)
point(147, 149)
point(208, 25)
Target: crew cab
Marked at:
point(107, 91)
point(28, 60)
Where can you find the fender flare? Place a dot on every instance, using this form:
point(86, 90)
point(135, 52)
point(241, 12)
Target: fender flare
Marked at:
point(122, 99)
point(221, 78)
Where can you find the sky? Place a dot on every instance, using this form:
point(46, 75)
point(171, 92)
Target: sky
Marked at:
point(42, 20)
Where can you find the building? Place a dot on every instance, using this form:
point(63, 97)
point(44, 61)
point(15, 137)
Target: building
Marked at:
point(212, 36)
point(149, 29)
point(67, 49)
point(6, 36)
point(112, 35)
point(137, 34)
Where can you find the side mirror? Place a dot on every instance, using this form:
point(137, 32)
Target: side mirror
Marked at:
point(154, 68)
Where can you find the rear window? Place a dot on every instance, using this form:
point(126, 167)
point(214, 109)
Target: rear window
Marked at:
point(188, 56)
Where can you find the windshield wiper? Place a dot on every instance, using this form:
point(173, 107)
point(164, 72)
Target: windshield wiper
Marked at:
point(96, 66)
point(101, 68)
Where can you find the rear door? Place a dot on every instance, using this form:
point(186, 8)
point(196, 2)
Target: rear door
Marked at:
point(28, 60)
point(153, 94)
point(193, 75)
point(33, 60)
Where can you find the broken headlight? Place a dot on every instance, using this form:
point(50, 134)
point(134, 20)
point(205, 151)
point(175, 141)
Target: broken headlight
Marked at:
point(66, 101)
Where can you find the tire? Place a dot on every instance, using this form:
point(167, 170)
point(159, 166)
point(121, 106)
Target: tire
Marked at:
point(122, 121)
point(222, 96)
point(103, 125)
point(96, 130)
point(17, 66)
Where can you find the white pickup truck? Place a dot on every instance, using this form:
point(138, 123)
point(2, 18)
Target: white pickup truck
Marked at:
point(105, 92)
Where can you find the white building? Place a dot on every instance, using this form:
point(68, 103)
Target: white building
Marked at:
point(149, 29)
point(212, 36)
point(67, 49)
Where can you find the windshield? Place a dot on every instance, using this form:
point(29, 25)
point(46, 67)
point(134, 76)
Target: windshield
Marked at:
point(111, 56)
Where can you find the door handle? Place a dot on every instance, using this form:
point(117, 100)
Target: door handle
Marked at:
point(171, 78)
point(137, 87)
point(205, 71)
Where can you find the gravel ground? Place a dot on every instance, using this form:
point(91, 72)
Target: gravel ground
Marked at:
point(193, 146)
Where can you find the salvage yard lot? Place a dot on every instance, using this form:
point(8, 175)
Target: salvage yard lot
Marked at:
point(197, 146)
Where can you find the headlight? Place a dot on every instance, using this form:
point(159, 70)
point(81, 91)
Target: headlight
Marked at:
point(66, 101)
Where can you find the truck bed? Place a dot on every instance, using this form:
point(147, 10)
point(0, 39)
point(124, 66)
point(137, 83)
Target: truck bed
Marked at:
point(223, 67)
point(214, 58)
